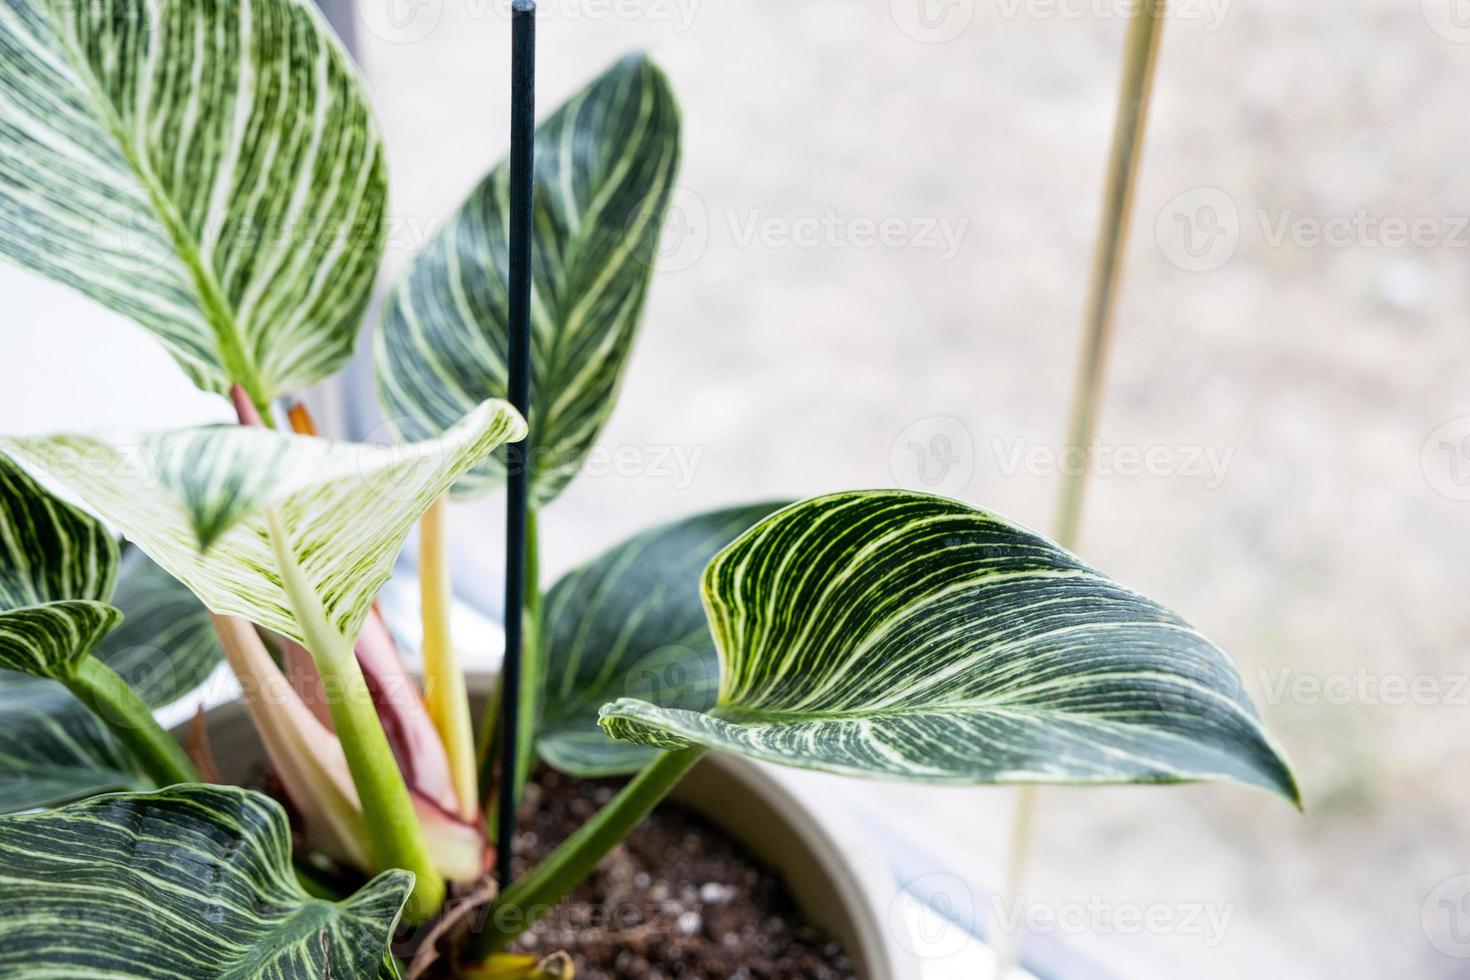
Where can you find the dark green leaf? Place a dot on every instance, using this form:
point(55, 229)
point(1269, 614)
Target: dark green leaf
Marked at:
point(913, 637)
point(52, 749)
point(191, 881)
point(632, 623)
point(605, 165)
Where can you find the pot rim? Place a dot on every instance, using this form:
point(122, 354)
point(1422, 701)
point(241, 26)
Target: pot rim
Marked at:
point(820, 852)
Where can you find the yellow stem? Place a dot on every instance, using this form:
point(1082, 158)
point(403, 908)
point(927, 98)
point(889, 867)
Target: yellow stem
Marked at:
point(444, 683)
point(396, 839)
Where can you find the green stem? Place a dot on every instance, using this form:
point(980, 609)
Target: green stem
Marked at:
point(395, 838)
point(1140, 58)
point(109, 697)
point(532, 667)
point(539, 891)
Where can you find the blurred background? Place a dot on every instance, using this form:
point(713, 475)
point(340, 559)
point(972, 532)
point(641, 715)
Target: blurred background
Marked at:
point(874, 276)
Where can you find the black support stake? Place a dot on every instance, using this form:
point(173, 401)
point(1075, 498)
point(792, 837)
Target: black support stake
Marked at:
point(522, 160)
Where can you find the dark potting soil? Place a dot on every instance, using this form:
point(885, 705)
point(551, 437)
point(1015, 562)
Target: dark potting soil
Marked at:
point(677, 899)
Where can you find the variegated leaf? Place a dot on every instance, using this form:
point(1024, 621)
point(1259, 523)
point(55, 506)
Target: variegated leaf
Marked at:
point(210, 170)
point(346, 508)
point(192, 881)
point(605, 165)
point(632, 623)
point(57, 567)
point(52, 749)
point(166, 645)
point(913, 637)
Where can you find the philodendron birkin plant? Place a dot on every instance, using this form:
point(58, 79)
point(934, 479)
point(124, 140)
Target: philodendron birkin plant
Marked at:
point(213, 172)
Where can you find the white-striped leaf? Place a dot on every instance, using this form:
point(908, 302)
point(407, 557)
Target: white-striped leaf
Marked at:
point(192, 881)
point(52, 748)
point(346, 508)
point(57, 568)
point(605, 165)
point(913, 637)
point(632, 623)
point(210, 170)
point(166, 645)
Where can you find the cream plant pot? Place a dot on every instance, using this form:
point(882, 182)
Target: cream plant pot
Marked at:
point(834, 871)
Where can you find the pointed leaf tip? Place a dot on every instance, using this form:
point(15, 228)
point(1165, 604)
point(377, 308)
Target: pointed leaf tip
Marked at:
point(912, 637)
point(599, 212)
point(346, 507)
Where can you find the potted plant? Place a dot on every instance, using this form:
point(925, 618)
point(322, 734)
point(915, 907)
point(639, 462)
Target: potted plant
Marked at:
point(213, 172)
